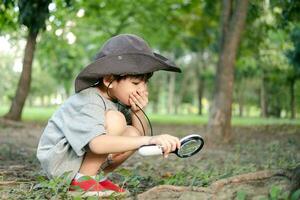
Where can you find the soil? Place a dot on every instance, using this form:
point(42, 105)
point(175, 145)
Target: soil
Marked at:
point(253, 150)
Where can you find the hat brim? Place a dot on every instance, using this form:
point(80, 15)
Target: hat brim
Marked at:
point(129, 63)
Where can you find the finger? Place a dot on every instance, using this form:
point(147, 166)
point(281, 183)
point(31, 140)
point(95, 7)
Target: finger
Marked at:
point(174, 145)
point(137, 100)
point(141, 95)
point(138, 96)
point(143, 100)
point(176, 142)
point(169, 147)
point(134, 99)
point(140, 92)
point(145, 97)
point(133, 105)
point(164, 148)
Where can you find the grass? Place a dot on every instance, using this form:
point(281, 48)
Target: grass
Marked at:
point(33, 114)
point(248, 155)
point(42, 114)
point(202, 120)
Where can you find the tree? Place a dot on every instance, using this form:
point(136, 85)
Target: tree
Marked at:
point(232, 22)
point(294, 58)
point(101, 21)
point(32, 14)
point(8, 78)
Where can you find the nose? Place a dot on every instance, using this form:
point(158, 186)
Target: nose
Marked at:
point(143, 87)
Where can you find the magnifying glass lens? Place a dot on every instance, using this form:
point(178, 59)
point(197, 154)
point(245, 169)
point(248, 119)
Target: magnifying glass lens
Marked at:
point(189, 147)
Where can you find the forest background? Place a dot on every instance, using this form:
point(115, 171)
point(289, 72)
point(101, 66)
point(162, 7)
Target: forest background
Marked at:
point(240, 60)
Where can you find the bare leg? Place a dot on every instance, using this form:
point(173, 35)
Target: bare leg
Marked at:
point(119, 158)
point(115, 125)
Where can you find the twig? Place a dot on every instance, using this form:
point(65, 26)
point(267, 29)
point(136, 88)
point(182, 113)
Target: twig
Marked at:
point(8, 182)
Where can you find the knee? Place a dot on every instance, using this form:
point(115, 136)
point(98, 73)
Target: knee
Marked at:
point(115, 122)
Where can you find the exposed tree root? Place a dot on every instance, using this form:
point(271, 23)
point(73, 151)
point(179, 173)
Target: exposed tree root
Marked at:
point(174, 188)
point(215, 187)
point(10, 123)
point(255, 176)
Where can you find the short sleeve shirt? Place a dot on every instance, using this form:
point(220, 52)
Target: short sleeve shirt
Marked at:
point(63, 142)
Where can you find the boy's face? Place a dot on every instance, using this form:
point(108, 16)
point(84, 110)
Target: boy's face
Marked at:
point(128, 88)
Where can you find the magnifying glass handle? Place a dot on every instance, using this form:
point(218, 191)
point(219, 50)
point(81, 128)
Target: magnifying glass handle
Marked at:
point(150, 150)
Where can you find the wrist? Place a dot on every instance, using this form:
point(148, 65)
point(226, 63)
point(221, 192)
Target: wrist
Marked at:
point(147, 140)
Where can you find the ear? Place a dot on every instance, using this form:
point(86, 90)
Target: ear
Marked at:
point(107, 81)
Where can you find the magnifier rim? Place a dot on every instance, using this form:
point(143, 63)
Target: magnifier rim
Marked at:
point(187, 139)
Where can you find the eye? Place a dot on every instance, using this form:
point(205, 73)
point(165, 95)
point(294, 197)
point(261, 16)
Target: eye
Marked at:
point(135, 83)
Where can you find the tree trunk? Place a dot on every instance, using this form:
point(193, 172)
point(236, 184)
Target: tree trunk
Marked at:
point(263, 99)
point(201, 85)
point(240, 97)
point(241, 105)
point(203, 63)
point(171, 92)
point(292, 101)
point(183, 89)
point(233, 20)
point(18, 102)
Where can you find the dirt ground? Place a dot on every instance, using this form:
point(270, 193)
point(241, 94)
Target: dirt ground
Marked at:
point(253, 149)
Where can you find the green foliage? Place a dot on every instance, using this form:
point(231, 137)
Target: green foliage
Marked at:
point(60, 60)
point(178, 29)
point(289, 11)
point(8, 78)
point(33, 14)
point(56, 188)
point(277, 193)
point(241, 195)
point(294, 55)
point(8, 17)
point(42, 114)
point(30, 13)
point(42, 83)
point(255, 148)
point(133, 181)
point(274, 192)
point(295, 195)
point(190, 177)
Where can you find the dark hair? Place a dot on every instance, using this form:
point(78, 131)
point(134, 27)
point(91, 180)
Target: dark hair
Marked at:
point(142, 77)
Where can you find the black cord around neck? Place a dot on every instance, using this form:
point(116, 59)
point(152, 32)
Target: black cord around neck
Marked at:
point(150, 125)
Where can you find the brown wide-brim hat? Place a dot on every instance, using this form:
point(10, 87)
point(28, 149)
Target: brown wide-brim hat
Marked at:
point(123, 54)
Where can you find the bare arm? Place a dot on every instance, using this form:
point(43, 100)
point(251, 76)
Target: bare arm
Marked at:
point(135, 116)
point(105, 144)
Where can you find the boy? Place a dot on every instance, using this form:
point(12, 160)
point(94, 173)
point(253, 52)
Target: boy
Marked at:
point(91, 131)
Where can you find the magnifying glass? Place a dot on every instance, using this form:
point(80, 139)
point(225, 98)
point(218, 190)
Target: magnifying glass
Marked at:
point(190, 145)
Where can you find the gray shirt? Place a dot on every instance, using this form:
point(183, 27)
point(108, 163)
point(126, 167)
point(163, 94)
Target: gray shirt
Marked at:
point(63, 142)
